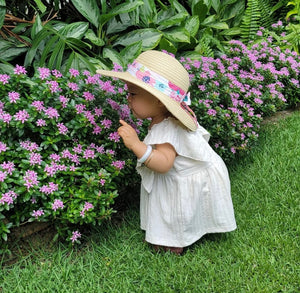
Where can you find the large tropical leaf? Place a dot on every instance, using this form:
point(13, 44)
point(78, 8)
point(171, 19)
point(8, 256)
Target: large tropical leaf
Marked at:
point(167, 18)
point(122, 8)
point(150, 38)
point(177, 34)
point(89, 9)
point(130, 52)
point(54, 43)
point(192, 25)
point(9, 51)
point(74, 30)
point(147, 13)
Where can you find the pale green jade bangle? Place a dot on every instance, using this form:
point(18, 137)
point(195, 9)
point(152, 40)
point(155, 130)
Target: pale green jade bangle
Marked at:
point(145, 155)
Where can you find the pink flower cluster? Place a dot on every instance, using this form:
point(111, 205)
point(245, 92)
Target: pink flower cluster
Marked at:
point(87, 206)
point(8, 198)
point(75, 236)
point(57, 204)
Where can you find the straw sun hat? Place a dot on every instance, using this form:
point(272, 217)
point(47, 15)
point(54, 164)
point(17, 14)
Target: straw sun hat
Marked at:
point(164, 77)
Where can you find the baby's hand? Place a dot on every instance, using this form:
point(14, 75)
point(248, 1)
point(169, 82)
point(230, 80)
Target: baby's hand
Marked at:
point(128, 135)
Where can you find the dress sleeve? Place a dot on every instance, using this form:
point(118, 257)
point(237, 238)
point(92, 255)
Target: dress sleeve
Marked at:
point(190, 144)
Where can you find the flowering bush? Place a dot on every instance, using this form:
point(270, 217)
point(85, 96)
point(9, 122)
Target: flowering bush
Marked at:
point(60, 154)
point(231, 94)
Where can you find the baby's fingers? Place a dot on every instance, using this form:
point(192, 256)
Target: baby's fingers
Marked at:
point(124, 123)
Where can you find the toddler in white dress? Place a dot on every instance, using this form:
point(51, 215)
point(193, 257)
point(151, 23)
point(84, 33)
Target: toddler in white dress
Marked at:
point(185, 189)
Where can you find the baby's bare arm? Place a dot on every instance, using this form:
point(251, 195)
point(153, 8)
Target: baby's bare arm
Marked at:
point(163, 156)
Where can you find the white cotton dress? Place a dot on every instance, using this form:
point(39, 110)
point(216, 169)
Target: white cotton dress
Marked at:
point(193, 198)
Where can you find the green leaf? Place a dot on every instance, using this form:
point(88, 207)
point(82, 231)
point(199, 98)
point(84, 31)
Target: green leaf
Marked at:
point(4, 237)
point(89, 9)
point(48, 48)
point(200, 9)
point(216, 5)
point(210, 19)
point(37, 27)
point(91, 36)
point(129, 53)
point(219, 25)
point(169, 18)
point(177, 34)
point(39, 38)
point(150, 38)
point(178, 7)
point(165, 44)
point(192, 25)
point(40, 5)
point(2, 12)
point(235, 10)
point(173, 20)
point(122, 8)
point(8, 51)
point(235, 31)
point(113, 55)
point(75, 30)
point(148, 12)
point(56, 56)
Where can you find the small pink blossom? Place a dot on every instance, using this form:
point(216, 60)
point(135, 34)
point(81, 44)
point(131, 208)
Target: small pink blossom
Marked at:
point(22, 116)
point(87, 206)
point(35, 159)
point(3, 147)
point(8, 197)
point(51, 113)
point(62, 128)
point(106, 123)
point(114, 136)
point(212, 112)
point(3, 176)
point(75, 236)
point(38, 213)
point(66, 154)
point(30, 179)
point(88, 96)
point(98, 112)
point(41, 122)
point(55, 157)
point(50, 188)
point(56, 73)
point(63, 100)
point(118, 164)
point(89, 154)
point(13, 97)
point(80, 108)
point(73, 86)
point(73, 72)
point(6, 117)
point(53, 86)
point(19, 70)
point(44, 72)
point(9, 167)
point(57, 204)
point(97, 129)
point(4, 78)
point(39, 105)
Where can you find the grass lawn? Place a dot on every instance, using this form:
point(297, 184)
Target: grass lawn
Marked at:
point(262, 255)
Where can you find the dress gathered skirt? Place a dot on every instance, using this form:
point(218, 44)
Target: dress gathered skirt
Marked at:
point(193, 198)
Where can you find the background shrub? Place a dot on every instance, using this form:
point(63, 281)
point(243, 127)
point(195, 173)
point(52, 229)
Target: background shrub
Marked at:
point(60, 155)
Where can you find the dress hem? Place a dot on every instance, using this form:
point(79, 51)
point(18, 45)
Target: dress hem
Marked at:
point(165, 242)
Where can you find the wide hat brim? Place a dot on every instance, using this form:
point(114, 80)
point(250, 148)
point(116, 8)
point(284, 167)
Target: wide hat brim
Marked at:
point(179, 110)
